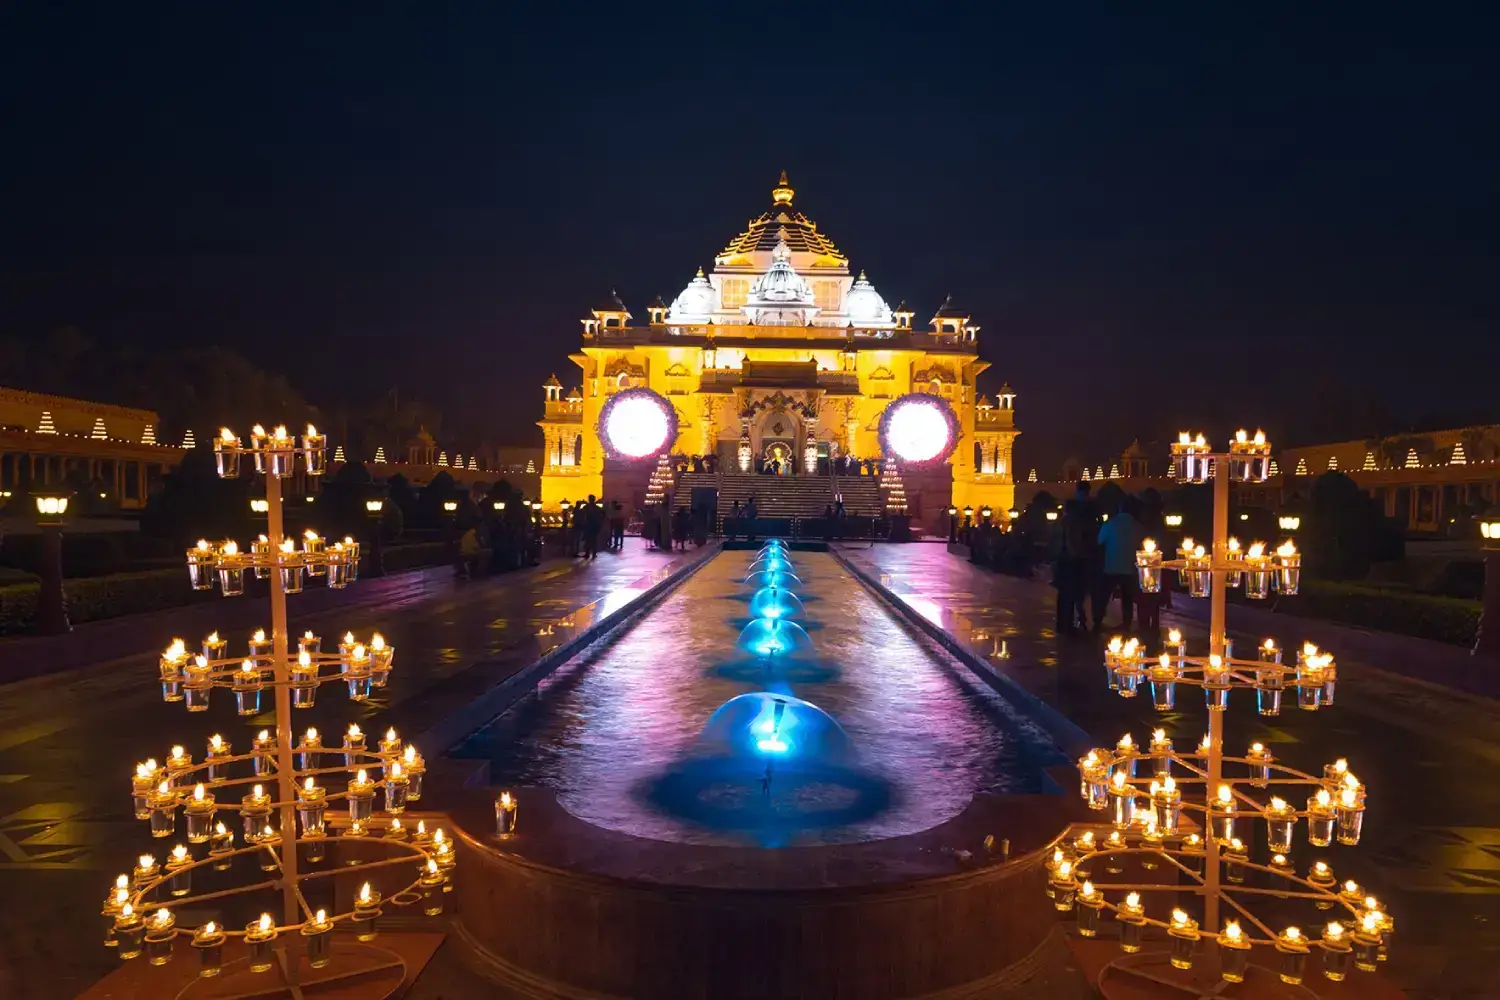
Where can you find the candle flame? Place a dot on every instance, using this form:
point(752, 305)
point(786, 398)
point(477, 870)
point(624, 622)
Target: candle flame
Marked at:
point(361, 777)
point(422, 826)
point(1179, 918)
point(146, 862)
point(358, 652)
point(1115, 644)
point(200, 661)
point(1236, 844)
point(1278, 805)
point(198, 792)
point(1335, 931)
point(395, 769)
point(1158, 736)
point(1133, 900)
point(505, 801)
point(1348, 799)
point(259, 636)
point(217, 742)
point(203, 545)
point(303, 660)
point(280, 432)
point(247, 667)
point(258, 431)
point(1370, 923)
point(390, 735)
point(312, 736)
point(1088, 888)
point(377, 641)
point(1340, 766)
point(1232, 931)
point(1323, 798)
point(163, 788)
point(1064, 869)
point(410, 755)
point(432, 865)
point(210, 928)
point(1126, 743)
point(179, 852)
point(122, 881)
point(1286, 549)
point(348, 638)
point(1371, 903)
point(226, 435)
point(1225, 796)
point(1118, 779)
point(1351, 782)
point(258, 791)
point(1204, 743)
point(1087, 838)
point(1278, 859)
point(308, 634)
point(219, 829)
point(1292, 934)
point(1351, 887)
point(312, 431)
point(354, 731)
point(265, 922)
point(162, 917)
point(1257, 550)
point(1174, 637)
point(1168, 785)
point(310, 535)
point(1148, 546)
point(364, 893)
point(1215, 661)
point(1233, 544)
point(438, 837)
point(321, 917)
point(1320, 867)
point(177, 753)
point(308, 785)
point(287, 545)
point(265, 736)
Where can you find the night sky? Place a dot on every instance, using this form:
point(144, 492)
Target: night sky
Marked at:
point(430, 195)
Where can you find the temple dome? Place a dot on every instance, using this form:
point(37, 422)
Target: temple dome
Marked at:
point(865, 306)
point(695, 304)
point(766, 230)
point(781, 296)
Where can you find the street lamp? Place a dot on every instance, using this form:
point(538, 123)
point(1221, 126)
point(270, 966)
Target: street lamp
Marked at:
point(1172, 520)
point(498, 505)
point(375, 511)
point(1012, 513)
point(1289, 522)
point(986, 512)
point(259, 505)
point(1052, 515)
point(1487, 641)
point(450, 506)
point(52, 607)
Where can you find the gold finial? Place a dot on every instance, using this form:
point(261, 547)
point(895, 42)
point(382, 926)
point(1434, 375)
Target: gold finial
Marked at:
point(782, 193)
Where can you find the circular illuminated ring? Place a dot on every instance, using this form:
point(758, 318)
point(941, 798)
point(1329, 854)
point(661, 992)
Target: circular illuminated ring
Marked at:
point(919, 429)
point(631, 403)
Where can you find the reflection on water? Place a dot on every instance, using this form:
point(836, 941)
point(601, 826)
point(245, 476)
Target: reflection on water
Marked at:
point(608, 727)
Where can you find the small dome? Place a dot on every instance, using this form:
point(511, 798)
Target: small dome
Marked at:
point(611, 304)
point(782, 284)
point(695, 304)
point(865, 306)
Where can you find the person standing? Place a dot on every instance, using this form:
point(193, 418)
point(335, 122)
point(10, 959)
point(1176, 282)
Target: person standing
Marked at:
point(616, 526)
point(591, 522)
point(1119, 537)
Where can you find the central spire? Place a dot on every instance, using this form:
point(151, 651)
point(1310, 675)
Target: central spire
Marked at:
point(782, 193)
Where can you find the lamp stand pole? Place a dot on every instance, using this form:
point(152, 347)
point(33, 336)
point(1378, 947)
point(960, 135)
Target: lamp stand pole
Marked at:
point(52, 604)
point(1487, 639)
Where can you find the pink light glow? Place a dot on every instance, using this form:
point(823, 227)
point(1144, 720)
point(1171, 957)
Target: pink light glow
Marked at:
point(636, 427)
point(918, 431)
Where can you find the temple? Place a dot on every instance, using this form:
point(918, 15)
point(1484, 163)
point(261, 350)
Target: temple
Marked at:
point(780, 356)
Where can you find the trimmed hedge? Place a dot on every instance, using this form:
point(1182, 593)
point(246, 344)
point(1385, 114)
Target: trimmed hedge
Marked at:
point(99, 597)
point(1425, 616)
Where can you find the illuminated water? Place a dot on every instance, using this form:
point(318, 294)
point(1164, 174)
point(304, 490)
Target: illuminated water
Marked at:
point(621, 733)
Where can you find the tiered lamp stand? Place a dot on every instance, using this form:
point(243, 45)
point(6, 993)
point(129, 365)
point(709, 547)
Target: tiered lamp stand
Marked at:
point(1149, 791)
point(285, 801)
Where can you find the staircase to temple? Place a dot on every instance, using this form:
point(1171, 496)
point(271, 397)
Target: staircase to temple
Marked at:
point(784, 496)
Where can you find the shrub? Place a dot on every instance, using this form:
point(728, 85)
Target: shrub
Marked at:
point(1425, 616)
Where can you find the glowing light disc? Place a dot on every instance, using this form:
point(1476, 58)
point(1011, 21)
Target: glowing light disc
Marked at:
point(918, 429)
point(637, 425)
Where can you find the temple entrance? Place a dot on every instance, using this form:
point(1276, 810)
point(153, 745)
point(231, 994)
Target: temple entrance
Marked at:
point(779, 458)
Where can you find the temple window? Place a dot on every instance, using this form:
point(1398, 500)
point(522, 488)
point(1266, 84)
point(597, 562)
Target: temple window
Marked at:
point(826, 295)
point(734, 292)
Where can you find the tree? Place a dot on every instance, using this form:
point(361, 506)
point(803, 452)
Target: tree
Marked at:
point(1344, 531)
point(195, 503)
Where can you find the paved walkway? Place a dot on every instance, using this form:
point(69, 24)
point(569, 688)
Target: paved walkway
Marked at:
point(69, 740)
point(1432, 836)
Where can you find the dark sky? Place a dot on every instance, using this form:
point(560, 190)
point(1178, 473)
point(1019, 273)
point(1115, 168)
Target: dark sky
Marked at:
point(1214, 202)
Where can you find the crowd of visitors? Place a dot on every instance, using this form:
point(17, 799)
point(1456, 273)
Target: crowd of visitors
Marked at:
point(1093, 564)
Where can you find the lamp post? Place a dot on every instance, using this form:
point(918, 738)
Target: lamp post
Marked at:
point(375, 511)
point(1487, 640)
point(952, 523)
point(1289, 522)
point(52, 608)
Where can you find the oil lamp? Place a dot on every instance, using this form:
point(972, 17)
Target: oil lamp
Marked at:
point(231, 570)
point(129, 930)
point(361, 797)
point(291, 563)
point(507, 810)
point(397, 784)
point(1234, 558)
point(227, 454)
point(1281, 820)
point(179, 872)
point(1289, 569)
point(312, 805)
point(381, 657)
point(263, 752)
point(1126, 756)
point(1221, 815)
point(255, 810)
point(260, 935)
point(269, 839)
point(1216, 684)
point(1184, 933)
point(357, 673)
point(1094, 777)
point(1090, 902)
point(1121, 802)
point(1259, 760)
point(1337, 952)
point(113, 903)
point(1349, 815)
point(279, 451)
point(1367, 942)
point(1064, 886)
point(247, 687)
point(317, 933)
point(209, 940)
point(220, 847)
point(1235, 855)
point(1161, 753)
point(1269, 679)
point(144, 871)
point(259, 645)
point(304, 681)
point(1132, 918)
point(430, 886)
point(163, 810)
point(198, 684)
point(390, 746)
point(1199, 574)
point(1321, 876)
point(200, 815)
point(1310, 681)
point(1293, 948)
point(313, 547)
point(314, 451)
point(200, 563)
point(1166, 800)
point(308, 749)
point(1164, 685)
point(217, 758)
point(366, 910)
point(142, 784)
point(354, 745)
point(1148, 566)
point(173, 671)
point(1193, 852)
point(416, 770)
point(1257, 572)
point(1234, 953)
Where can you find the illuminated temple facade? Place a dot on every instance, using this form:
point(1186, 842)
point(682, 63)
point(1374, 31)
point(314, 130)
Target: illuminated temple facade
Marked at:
point(780, 351)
